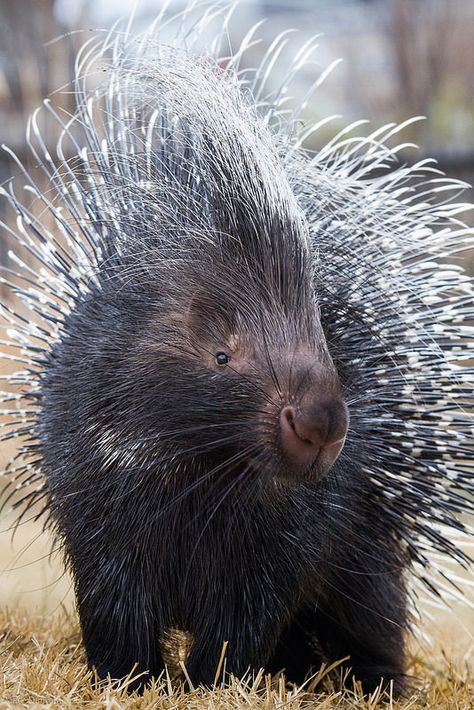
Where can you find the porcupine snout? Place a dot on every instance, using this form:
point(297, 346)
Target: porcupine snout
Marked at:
point(313, 428)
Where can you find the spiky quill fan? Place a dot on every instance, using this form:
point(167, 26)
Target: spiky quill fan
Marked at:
point(396, 313)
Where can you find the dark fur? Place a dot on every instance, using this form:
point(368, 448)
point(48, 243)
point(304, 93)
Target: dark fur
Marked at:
point(177, 529)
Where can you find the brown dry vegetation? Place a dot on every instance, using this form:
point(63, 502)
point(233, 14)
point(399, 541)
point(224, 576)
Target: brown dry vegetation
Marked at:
point(42, 666)
point(42, 662)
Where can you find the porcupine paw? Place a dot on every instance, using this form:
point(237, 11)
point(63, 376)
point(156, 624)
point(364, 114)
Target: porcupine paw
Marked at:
point(392, 680)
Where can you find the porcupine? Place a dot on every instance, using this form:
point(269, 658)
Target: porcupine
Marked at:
point(243, 404)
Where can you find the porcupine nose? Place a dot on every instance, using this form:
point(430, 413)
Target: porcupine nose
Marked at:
point(314, 434)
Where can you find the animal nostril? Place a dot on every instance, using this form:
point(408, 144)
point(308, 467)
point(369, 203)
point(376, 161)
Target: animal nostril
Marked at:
point(317, 432)
point(289, 414)
point(300, 443)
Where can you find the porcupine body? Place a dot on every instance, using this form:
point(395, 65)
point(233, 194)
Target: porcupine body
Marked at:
point(246, 409)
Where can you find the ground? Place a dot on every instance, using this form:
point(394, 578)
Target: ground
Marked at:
point(42, 659)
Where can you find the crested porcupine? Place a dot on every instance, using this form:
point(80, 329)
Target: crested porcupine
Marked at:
point(210, 305)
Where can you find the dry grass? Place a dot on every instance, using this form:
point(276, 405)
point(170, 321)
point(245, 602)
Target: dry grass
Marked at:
point(42, 664)
point(42, 659)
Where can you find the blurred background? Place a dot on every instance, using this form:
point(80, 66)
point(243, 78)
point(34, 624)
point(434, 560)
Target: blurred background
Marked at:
point(400, 58)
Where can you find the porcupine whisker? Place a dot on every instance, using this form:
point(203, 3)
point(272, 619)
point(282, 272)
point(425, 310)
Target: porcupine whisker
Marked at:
point(36, 500)
point(237, 480)
point(360, 604)
point(33, 562)
point(271, 367)
point(255, 385)
point(186, 492)
point(24, 521)
point(13, 565)
point(224, 440)
point(258, 389)
point(247, 494)
point(352, 540)
point(290, 372)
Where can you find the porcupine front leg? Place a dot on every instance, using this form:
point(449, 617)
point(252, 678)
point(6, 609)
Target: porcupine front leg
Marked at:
point(120, 632)
point(296, 653)
point(362, 614)
point(245, 650)
point(251, 635)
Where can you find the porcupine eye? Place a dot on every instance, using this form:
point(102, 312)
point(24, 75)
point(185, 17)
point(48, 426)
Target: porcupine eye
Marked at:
point(222, 358)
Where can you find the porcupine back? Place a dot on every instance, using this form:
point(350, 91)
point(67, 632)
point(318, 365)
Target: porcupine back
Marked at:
point(144, 153)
